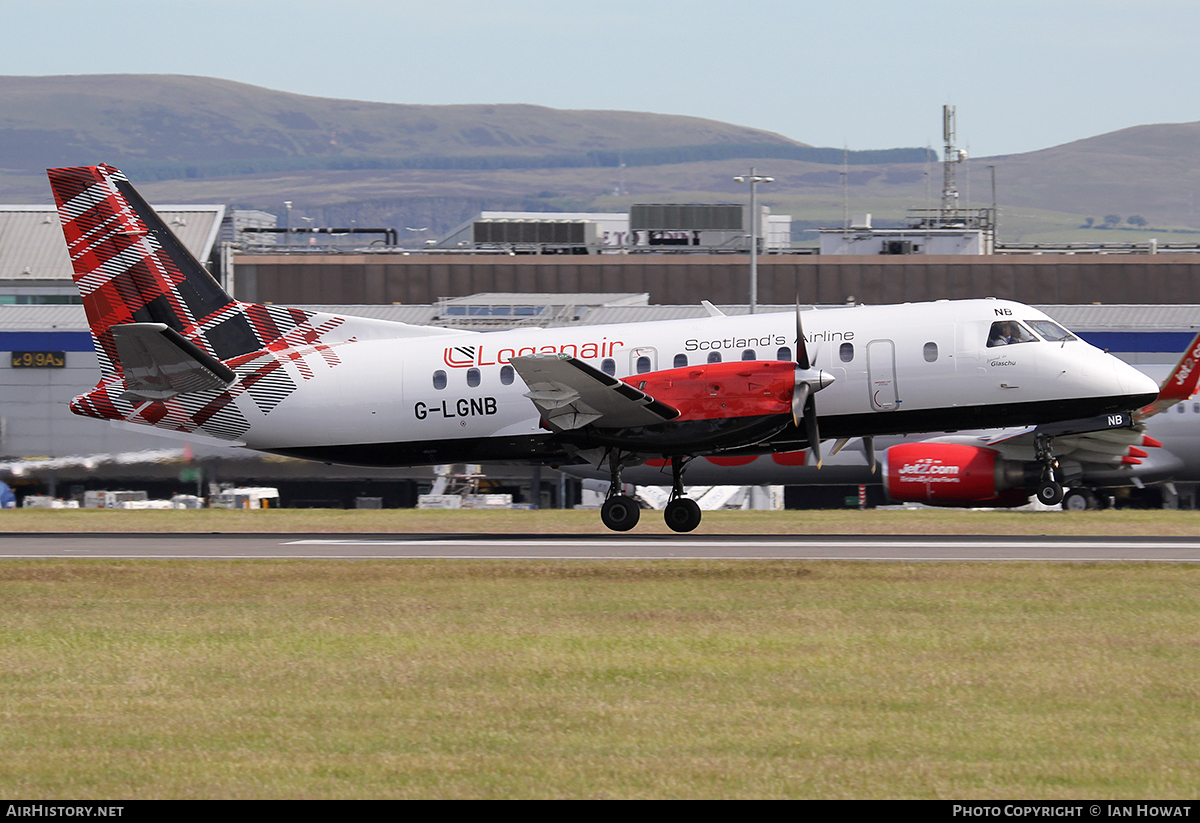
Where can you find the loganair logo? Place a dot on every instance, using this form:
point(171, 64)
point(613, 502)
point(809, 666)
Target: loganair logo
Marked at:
point(465, 357)
point(929, 470)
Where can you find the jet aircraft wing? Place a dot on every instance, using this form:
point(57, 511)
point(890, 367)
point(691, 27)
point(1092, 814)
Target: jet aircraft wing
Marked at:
point(570, 394)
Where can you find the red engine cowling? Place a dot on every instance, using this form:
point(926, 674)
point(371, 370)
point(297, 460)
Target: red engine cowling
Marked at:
point(948, 474)
point(721, 390)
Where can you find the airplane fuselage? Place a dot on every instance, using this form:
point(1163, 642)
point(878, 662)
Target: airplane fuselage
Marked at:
point(453, 397)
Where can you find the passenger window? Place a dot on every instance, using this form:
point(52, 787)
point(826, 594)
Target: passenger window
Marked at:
point(749, 354)
point(680, 361)
point(506, 375)
point(846, 352)
point(643, 364)
point(784, 353)
point(1180, 407)
point(609, 367)
point(439, 379)
point(930, 352)
point(714, 357)
point(472, 377)
point(1007, 332)
point(1195, 408)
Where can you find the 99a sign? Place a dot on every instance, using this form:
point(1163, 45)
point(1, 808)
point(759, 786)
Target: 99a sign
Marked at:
point(39, 360)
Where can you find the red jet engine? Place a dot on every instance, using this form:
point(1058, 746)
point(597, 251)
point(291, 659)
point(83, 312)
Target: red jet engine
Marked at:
point(951, 474)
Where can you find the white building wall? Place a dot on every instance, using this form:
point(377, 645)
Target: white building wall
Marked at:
point(35, 420)
point(871, 241)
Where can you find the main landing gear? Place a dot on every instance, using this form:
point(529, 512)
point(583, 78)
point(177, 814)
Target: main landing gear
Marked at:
point(682, 514)
point(1081, 499)
point(620, 512)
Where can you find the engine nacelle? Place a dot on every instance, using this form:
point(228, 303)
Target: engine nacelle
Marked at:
point(952, 474)
point(750, 388)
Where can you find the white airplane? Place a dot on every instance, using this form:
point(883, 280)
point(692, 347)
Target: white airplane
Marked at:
point(179, 354)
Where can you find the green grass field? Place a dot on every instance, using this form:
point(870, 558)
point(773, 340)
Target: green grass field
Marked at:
point(340, 679)
point(337, 679)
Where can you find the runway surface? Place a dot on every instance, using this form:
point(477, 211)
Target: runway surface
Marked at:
point(598, 547)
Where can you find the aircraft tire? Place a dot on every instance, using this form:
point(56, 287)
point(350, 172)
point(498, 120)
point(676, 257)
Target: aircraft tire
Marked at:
point(1050, 494)
point(1078, 500)
point(620, 513)
point(682, 514)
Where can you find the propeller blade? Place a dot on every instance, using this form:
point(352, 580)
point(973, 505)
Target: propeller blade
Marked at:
point(869, 446)
point(801, 345)
point(800, 395)
point(810, 428)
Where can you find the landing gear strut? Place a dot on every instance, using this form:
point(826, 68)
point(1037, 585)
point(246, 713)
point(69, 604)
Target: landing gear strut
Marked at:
point(620, 512)
point(682, 514)
point(1050, 490)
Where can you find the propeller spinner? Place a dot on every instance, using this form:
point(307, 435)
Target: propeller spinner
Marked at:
point(808, 382)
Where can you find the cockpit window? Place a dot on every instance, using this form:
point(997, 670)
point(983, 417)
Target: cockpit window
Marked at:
point(1051, 331)
point(1007, 332)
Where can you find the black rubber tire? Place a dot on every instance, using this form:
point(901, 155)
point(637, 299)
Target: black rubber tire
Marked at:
point(620, 513)
point(682, 515)
point(1050, 494)
point(1078, 500)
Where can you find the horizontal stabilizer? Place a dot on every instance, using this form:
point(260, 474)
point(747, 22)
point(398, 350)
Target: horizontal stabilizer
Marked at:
point(160, 363)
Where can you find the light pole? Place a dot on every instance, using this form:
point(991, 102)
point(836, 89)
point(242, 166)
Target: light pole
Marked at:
point(753, 179)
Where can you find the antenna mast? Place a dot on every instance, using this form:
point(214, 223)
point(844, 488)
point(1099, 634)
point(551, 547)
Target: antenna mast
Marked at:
point(950, 158)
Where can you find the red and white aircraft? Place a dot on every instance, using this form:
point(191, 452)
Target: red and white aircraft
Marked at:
point(179, 354)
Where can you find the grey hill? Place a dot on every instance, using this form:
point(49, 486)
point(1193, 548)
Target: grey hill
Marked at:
point(195, 139)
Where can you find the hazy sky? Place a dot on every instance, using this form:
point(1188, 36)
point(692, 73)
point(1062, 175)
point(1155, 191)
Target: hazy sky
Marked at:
point(868, 74)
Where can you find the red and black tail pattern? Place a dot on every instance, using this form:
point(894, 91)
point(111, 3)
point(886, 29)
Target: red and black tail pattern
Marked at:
point(130, 268)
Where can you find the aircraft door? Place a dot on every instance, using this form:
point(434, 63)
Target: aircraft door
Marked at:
point(881, 375)
point(969, 340)
point(643, 359)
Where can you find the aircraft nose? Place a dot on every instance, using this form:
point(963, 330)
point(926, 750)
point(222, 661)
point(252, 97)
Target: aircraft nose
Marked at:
point(1135, 383)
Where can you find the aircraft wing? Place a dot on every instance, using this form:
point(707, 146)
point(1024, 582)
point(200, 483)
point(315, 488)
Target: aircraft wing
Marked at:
point(1118, 439)
point(571, 394)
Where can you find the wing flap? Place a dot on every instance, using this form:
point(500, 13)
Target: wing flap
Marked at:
point(570, 394)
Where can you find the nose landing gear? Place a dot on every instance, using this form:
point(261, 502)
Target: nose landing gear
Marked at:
point(1049, 490)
